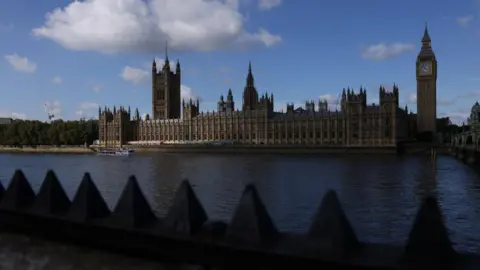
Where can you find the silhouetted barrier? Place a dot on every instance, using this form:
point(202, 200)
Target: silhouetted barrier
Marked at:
point(249, 241)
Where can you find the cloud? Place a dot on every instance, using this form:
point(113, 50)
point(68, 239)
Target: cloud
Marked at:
point(457, 117)
point(87, 109)
point(412, 98)
point(134, 75)
point(186, 93)
point(112, 26)
point(22, 64)
point(268, 4)
point(465, 21)
point(53, 108)
point(331, 99)
point(97, 88)
point(57, 80)
point(14, 115)
point(383, 51)
point(138, 75)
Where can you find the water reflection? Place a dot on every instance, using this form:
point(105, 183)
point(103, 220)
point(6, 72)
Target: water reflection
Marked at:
point(381, 194)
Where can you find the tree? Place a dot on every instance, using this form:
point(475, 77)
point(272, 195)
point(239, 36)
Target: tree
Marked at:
point(55, 133)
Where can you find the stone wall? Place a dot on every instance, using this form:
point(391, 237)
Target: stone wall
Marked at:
point(264, 149)
point(250, 241)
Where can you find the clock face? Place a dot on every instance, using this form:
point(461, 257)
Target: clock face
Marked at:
point(425, 68)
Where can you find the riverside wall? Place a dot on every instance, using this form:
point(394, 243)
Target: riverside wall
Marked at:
point(264, 149)
point(409, 149)
point(47, 149)
point(249, 240)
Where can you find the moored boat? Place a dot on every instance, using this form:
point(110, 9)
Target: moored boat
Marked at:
point(116, 152)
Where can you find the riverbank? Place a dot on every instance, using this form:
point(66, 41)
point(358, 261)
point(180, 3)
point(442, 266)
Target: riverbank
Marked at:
point(237, 149)
point(265, 149)
point(47, 150)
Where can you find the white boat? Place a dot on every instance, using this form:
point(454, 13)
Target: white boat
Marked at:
point(116, 152)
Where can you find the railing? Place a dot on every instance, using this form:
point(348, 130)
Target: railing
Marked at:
point(186, 235)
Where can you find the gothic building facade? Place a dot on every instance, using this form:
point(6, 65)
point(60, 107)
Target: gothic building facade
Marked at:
point(354, 123)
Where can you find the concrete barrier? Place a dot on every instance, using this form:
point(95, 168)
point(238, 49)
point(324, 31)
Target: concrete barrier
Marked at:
point(185, 234)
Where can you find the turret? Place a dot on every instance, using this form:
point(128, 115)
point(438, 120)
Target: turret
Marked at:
point(177, 69)
point(154, 67)
point(166, 65)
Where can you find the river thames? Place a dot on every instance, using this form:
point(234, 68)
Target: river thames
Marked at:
point(380, 194)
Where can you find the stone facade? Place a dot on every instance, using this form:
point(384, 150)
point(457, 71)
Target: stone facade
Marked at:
point(355, 123)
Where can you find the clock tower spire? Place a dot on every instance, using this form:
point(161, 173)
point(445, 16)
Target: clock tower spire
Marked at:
point(426, 73)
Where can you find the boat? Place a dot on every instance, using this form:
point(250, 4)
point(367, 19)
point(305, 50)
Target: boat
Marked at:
point(116, 152)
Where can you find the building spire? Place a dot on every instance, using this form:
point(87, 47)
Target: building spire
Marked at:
point(250, 82)
point(426, 36)
point(166, 50)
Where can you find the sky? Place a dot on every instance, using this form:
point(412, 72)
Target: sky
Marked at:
point(70, 57)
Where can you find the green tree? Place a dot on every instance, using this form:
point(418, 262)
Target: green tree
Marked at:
point(57, 132)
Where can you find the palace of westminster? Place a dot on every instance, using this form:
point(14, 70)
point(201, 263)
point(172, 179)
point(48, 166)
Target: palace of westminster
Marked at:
point(355, 124)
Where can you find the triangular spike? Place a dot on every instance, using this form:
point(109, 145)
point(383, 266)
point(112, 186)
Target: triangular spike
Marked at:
point(19, 193)
point(251, 222)
point(132, 208)
point(51, 198)
point(2, 190)
point(186, 214)
point(331, 227)
point(88, 203)
point(428, 237)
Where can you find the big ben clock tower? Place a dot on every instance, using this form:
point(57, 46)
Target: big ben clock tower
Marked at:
point(426, 67)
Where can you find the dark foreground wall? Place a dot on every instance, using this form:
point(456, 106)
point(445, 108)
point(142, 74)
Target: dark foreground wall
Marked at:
point(249, 241)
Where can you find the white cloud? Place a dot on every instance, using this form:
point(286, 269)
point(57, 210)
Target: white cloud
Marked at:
point(112, 26)
point(186, 93)
point(383, 51)
point(465, 21)
point(457, 117)
point(134, 75)
point(21, 63)
point(412, 98)
point(97, 88)
point(87, 110)
point(268, 4)
point(331, 99)
point(57, 80)
point(53, 108)
point(14, 115)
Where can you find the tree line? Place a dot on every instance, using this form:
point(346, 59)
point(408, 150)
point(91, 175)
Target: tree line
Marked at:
point(58, 132)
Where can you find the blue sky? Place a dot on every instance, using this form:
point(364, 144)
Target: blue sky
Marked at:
point(68, 57)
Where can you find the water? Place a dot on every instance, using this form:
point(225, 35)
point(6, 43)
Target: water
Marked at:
point(380, 194)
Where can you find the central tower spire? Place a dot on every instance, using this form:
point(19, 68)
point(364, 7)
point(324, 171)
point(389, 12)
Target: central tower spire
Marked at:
point(166, 66)
point(250, 80)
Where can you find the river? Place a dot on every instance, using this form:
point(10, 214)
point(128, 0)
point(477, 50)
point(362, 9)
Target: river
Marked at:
point(380, 194)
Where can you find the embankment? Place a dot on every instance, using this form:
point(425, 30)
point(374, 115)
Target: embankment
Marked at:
point(48, 150)
point(413, 149)
point(264, 149)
